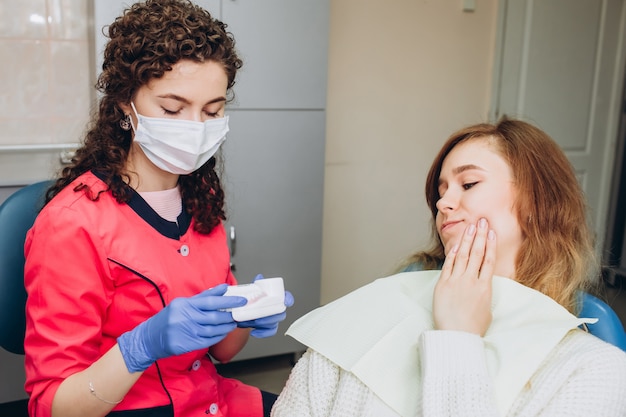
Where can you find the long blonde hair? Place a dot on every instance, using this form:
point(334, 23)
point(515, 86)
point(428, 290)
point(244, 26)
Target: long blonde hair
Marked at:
point(556, 256)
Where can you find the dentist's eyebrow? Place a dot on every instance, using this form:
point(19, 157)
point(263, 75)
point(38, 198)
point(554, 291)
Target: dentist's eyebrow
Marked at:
point(184, 100)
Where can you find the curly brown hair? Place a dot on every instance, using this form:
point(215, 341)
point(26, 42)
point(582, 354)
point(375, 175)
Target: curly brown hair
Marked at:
point(557, 256)
point(144, 43)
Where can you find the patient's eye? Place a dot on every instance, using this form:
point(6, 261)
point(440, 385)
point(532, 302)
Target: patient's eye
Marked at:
point(469, 185)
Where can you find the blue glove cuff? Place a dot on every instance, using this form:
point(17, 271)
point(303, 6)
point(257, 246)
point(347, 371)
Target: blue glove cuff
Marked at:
point(134, 351)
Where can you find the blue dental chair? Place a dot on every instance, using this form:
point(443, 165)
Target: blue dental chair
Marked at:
point(609, 327)
point(17, 214)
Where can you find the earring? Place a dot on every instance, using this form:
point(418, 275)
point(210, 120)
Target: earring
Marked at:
point(125, 122)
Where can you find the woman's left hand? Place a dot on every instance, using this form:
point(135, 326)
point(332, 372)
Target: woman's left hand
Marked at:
point(462, 297)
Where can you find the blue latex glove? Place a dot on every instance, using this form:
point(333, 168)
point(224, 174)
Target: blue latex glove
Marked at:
point(186, 324)
point(267, 326)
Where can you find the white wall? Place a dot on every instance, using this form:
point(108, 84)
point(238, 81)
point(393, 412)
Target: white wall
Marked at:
point(403, 75)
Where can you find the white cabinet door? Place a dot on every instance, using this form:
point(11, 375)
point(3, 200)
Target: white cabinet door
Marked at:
point(284, 45)
point(273, 180)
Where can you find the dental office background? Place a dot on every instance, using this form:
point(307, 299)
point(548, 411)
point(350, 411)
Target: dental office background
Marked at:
point(401, 76)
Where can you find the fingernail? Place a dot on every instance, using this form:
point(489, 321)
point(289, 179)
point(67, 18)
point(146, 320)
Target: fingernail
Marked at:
point(491, 235)
point(482, 223)
point(471, 229)
point(455, 248)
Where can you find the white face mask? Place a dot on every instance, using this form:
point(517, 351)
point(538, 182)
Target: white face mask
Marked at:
point(179, 146)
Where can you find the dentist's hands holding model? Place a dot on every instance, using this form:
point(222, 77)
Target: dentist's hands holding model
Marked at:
point(267, 326)
point(192, 323)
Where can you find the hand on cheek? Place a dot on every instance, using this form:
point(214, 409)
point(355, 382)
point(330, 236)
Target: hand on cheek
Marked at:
point(462, 297)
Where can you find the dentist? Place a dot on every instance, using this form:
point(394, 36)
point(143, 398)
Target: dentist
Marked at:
point(127, 263)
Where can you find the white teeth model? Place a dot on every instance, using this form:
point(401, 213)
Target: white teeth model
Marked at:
point(266, 297)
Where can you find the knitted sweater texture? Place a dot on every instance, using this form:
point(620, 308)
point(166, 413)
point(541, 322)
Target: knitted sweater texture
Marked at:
point(582, 376)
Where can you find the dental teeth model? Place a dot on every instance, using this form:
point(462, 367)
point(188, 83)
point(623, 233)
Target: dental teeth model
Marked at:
point(266, 297)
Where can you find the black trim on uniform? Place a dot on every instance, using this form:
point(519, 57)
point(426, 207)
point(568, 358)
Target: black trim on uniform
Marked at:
point(163, 411)
point(145, 278)
point(172, 230)
point(268, 402)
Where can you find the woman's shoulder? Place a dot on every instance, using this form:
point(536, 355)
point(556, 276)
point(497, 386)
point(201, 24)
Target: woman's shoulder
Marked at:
point(588, 351)
point(71, 207)
point(582, 375)
point(578, 339)
point(581, 358)
point(70, 196)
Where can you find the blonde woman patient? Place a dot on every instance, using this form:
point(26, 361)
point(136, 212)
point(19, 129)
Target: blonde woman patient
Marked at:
point(484, 321)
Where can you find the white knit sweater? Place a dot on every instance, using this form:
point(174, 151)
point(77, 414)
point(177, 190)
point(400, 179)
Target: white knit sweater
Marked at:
point(582, 376)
